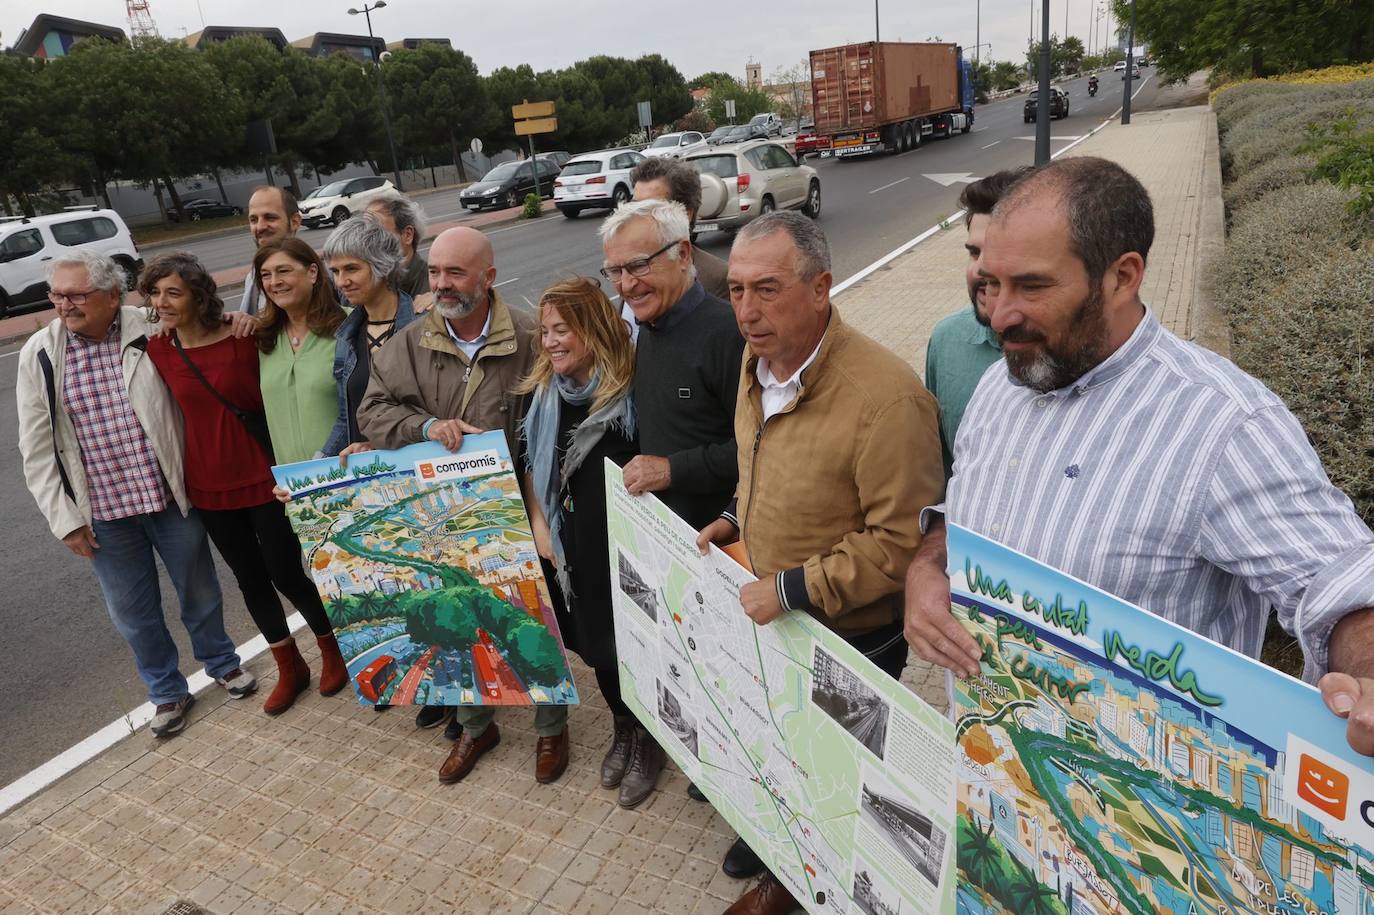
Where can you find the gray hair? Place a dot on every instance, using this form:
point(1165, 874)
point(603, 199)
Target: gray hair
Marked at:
point(813, 251)
point(403, 212)
point(670, 219)
point(101, 271)
point(370, 242)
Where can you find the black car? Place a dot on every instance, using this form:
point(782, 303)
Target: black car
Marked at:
point(198, 208)
point(507, 184)
point(1059, 104)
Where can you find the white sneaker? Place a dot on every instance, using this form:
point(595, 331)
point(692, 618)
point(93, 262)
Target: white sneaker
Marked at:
point(171, 716)
point(238, 683)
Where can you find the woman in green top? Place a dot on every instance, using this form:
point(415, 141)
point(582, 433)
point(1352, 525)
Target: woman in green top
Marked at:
point(296, 346)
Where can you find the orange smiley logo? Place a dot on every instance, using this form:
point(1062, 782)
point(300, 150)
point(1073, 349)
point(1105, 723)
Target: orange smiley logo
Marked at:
point(1323, 787)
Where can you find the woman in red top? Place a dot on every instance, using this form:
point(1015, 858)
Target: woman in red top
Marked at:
point(228, 471)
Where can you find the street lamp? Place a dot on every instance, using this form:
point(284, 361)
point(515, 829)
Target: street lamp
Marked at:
point(1130, 68)
point(876, 32)
point(381, 82)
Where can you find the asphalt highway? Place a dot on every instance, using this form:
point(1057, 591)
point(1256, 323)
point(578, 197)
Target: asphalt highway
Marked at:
point(65, 672)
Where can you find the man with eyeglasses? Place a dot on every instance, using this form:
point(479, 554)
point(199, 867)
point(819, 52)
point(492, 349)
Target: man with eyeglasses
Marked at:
point(101, 442)
point(687, 365)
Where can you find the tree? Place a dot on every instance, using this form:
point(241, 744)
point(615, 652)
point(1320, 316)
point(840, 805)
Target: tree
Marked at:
point(32, 156)
point(437, 100)
point(508, 86)
point(1071, 53)
point(748, 102)
point(1006, 75)
point(711, 79)
point(792, 85)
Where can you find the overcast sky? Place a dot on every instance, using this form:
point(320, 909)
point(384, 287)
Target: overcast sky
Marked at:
point(696, 36)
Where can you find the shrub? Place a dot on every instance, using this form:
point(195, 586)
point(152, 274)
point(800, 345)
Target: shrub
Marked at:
point(534, 206)
point(1278, 130)
point(1284, 171)
point(1326, 76)
point(1345, 156)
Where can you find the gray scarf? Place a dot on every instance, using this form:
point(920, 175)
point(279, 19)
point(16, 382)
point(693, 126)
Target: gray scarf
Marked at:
point(540, 429)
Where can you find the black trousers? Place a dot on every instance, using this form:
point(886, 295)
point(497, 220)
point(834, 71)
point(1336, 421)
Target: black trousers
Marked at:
point(608, 681)
point(262, 551)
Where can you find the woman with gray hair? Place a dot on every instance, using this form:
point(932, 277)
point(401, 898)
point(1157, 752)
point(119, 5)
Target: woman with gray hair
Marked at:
point(363, 258)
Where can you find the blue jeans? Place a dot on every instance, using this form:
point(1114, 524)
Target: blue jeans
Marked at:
point(128, 578)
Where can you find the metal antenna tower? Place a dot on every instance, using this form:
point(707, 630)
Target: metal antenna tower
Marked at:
point(141, 23)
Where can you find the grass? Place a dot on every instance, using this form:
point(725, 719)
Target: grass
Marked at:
point(160, 234)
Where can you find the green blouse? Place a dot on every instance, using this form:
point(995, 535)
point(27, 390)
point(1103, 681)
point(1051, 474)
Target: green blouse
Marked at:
point(299, 396)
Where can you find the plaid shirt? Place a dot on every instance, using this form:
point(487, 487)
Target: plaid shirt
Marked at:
point(122, 472)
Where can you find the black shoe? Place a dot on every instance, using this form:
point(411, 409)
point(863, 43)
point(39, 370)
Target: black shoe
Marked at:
point(431, 716)
point(381, 706)
point(741, 862)
point(694, 792)
point(454, 729)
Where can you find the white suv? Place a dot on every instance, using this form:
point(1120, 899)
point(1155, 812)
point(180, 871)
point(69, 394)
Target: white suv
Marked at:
point(332, 203)
point(27, 244)
point(677, 145)
point(741, 182)
point(595, 180)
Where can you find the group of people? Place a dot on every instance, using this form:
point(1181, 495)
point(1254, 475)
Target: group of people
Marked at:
point(1057, 416)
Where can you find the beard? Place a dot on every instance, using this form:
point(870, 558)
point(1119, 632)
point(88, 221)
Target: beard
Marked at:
point(460, 306)
point(980, 313)
point(1053, 367)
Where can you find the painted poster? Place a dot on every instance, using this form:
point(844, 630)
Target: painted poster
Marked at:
point(840, 778)
point(1110, 761)
point(427, 568)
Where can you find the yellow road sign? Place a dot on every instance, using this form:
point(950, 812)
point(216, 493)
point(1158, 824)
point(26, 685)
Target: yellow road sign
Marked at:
point(532, 110)
point(538, 125)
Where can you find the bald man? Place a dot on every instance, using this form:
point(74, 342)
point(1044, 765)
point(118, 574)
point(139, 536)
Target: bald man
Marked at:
point(445, 375)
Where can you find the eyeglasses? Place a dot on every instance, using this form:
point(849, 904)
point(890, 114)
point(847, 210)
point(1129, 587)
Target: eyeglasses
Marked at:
point(72, 298)
point(637, 267)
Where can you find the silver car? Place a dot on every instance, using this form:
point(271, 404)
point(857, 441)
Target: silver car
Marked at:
point(743, 181)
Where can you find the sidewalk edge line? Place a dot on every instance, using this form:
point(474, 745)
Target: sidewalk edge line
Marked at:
point(26, 786)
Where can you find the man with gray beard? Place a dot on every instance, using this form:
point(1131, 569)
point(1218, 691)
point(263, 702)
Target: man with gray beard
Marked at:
point(445, 375)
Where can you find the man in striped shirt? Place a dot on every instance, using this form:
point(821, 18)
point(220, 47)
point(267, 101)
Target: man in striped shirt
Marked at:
point(1110, 449)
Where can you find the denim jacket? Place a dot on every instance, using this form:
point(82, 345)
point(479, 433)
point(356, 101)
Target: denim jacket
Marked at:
point(346, 362)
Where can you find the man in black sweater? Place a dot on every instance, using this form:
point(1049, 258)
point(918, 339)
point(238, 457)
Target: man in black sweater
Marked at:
point(687, 365)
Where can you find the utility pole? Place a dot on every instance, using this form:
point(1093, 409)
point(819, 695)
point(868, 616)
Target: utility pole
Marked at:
point(381, 82)
point(877, 34)
point(1042, 112)
point(1130, 68)
point(977, 34)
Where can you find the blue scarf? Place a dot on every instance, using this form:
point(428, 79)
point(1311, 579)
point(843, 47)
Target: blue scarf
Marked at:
point(540, 429)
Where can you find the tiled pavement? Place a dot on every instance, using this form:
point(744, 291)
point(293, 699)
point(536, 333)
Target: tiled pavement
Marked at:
point(335, 808)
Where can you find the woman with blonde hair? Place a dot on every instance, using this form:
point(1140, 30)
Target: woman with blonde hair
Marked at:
point(582, 412)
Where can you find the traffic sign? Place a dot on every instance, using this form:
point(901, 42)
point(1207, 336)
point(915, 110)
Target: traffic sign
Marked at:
point(475, 146)
point(645, 117)
point(538, 125)
point(532, 110)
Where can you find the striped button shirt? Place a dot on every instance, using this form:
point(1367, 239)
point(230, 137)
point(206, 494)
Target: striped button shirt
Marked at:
point(1169, 478)
point(123, 477)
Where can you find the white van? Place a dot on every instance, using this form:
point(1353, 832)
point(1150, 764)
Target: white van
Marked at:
point(28, 243)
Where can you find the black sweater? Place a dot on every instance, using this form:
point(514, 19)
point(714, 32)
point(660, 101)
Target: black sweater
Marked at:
point(687, 367)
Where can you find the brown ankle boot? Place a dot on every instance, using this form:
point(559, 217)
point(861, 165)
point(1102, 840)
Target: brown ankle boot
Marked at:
point(333, 670)
point(293, 678)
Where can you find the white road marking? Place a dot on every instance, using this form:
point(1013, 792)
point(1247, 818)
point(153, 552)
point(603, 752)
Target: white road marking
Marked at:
point(976, 129)
point(992, 144)
point(504, 282)
point(951, 178)
point(890, 184)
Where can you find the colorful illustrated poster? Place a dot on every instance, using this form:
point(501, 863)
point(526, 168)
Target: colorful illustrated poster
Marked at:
point(427, 568)
point(1111, 761)
point(840, 778)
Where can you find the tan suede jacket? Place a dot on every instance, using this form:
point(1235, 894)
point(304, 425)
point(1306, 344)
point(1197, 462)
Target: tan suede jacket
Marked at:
point(421, 374)
point(831, 488)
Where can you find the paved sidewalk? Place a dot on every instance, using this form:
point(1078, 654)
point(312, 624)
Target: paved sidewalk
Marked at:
point(335, 808)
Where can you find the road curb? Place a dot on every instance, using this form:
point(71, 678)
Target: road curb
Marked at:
point(1210, 325)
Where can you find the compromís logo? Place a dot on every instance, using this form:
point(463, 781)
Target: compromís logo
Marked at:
point(459, 466)
point(1336, 793)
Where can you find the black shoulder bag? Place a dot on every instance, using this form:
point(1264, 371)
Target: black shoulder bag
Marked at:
point(255, 422)
point(46, 364)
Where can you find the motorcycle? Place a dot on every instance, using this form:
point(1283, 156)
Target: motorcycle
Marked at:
point(1092, 87)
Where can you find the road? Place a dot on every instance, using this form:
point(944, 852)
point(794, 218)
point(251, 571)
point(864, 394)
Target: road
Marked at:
point(64, 671)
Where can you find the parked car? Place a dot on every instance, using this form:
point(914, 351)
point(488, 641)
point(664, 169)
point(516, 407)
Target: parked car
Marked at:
point(769, 121)
point(1059, 104)
point(740, 183)
point(740, 133)
point(558, 157)
point(198, 208)
point(330, 204)
point(506, 185)
point(719, 134)
point(27, 243)
point(677, 145)
point(595, 180)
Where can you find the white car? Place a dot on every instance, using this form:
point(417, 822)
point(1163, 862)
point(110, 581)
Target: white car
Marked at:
point(677, 145)
point(595, 180)
point(27, 244)
point(330, 204)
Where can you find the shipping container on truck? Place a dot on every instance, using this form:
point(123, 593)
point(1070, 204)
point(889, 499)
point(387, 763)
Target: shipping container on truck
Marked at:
point(889, 96)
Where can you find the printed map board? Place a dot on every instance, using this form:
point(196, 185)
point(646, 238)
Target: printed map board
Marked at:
point(428, 571)
point(1110, 761)
point(840, 778)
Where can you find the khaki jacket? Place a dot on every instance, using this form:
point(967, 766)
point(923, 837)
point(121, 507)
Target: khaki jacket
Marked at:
point(41, 449)
point(421, 374)
point(831, 488)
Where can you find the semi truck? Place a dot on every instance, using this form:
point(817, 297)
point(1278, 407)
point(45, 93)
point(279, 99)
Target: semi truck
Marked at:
point(889, 96)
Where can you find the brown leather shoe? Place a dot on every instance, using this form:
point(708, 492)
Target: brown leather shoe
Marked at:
point(465, 753)
point(551, 757)
point(769, 897)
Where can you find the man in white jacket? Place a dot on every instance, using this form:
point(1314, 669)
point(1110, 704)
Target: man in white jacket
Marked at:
point(102, 447)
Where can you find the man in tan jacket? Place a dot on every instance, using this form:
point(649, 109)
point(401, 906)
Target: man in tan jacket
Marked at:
point(839, 450)
point(449, 373)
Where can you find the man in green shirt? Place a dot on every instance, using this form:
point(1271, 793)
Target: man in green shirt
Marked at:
point(962, 346)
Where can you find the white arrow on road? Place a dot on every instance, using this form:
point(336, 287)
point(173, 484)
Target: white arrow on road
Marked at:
point(952, 178)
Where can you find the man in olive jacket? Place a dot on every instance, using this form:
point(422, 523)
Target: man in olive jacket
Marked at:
point(840, 448)
point(445, 375)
